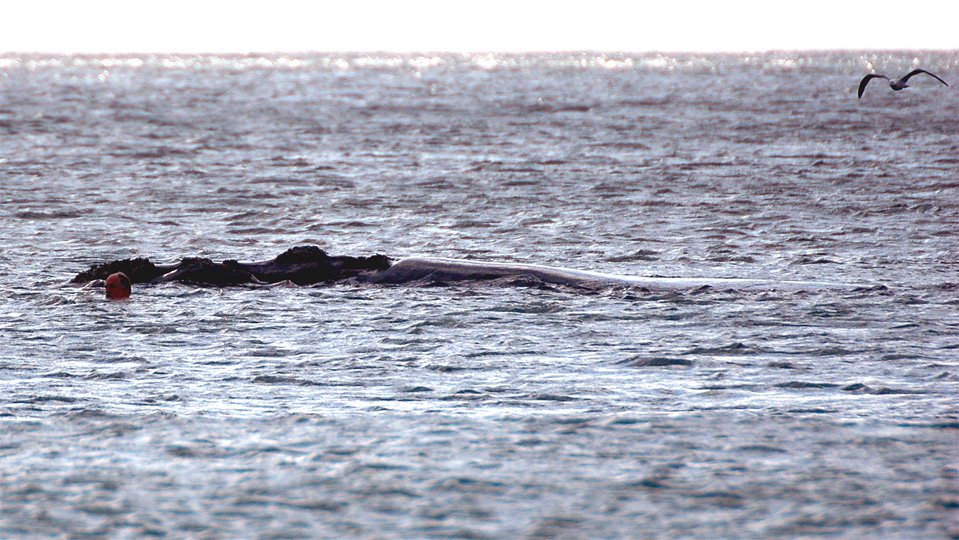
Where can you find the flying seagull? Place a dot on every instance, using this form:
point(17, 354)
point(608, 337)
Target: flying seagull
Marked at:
point(898, 84)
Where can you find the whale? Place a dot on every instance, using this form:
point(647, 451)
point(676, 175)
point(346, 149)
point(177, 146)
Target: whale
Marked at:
point(310, 265)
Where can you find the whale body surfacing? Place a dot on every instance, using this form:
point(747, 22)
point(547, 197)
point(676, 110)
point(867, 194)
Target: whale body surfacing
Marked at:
point(309, 265)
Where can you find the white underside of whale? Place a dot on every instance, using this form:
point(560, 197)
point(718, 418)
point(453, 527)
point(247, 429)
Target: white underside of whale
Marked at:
point(459, 270)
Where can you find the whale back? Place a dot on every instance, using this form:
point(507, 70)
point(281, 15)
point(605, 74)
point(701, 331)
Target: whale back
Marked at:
point(452, 270)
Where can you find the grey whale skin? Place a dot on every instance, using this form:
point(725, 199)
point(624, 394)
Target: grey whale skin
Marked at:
point(435, 269)
point(307, 265)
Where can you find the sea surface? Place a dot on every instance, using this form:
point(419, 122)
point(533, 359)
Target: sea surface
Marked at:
point(504, 409)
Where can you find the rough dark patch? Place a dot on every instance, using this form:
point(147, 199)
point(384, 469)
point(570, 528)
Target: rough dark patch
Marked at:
point(301, 255)
point(303, 265)
point(139, 270)
point(204, 271)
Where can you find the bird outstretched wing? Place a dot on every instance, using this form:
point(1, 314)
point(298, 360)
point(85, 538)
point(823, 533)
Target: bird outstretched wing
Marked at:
point(865, 80)
point(918, 71)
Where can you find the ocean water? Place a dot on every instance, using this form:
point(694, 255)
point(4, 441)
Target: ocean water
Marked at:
point(482, 410)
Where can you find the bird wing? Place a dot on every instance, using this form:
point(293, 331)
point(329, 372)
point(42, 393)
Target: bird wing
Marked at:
point(865, 80)
point(918, 71)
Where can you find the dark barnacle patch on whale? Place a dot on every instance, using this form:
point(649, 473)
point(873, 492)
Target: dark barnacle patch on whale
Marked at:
point(202, 271)
point(301, 255)
point(303, 265)
point(139, 270)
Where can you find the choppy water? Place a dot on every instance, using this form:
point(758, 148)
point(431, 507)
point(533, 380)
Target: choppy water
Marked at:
point(482, 410)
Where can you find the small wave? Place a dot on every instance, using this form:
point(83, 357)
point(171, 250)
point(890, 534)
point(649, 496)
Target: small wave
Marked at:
point(551, 396)
point(657, 362)
point(859, 388)
point(944, 424)
point(781, 365)
point(100, 376)
point(465, 394)
point(46, 399)
point(738, 349)
point(803, 385)
point(60, 375)
point(277, 379)
point(51, 214)
point(762, 449)
point(416, 389)
point(447, 368)
point(640, 255)
point(806, 260)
